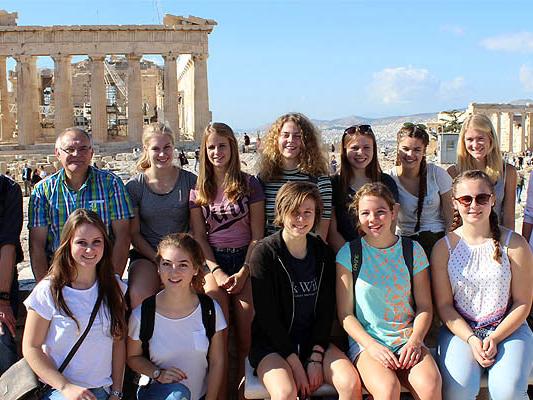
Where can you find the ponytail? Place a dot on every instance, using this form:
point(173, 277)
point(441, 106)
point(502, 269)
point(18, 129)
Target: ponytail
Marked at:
point(495, 230)
point(422, 187)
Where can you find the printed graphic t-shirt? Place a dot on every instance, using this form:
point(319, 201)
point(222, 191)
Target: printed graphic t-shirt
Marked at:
point(384, 305)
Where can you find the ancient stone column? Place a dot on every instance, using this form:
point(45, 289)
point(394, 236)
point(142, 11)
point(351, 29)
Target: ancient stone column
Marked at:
point(523, 132)
point(529, 129)
point(6, 121)
point(202, 116)
point(35, 100)
point(135, 111)
point(170, 81)
point(98, 100)
point(27, 117)
point(498, 127)
point(510, 139)
point(64, 109)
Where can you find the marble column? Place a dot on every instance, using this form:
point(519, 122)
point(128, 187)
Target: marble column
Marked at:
point(170, 81)
point(135, 110)
point(529, 129)
point(202, 116)
point(25, 113)
point(64, 109)
point(98, 100)
point(523, 132)
point(510, 138)
point(35, 100)
point(6, 121)
point(498, 127)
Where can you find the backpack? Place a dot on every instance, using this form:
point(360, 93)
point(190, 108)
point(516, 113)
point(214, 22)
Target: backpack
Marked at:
point(356, 251)
point(148, 318)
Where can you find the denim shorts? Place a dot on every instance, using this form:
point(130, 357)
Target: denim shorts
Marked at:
point(230, 259)
point(54, 394)
point(354, 349)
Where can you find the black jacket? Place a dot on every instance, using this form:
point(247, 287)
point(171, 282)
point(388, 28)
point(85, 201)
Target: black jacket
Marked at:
point(274, 301)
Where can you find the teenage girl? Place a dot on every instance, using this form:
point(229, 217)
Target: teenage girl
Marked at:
point(389, 320)
point(183, 364)
point(292, 152)
point(359, 165)
point(59, 308)
point(227, 218)
point(478, 148)
point(293, 280)
point(424, 188)
point(482, 279)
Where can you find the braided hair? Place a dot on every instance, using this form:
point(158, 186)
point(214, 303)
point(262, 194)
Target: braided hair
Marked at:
point(417, 132)
point(493, 218)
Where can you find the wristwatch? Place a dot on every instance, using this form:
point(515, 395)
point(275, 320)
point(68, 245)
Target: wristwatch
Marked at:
point(5, 296)
point(117, 394)
point(156, 374)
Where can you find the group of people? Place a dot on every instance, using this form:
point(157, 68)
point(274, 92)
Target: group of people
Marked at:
point(282, 257)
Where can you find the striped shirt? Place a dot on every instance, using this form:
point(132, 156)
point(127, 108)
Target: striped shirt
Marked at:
point(272, 188)
point(52, 201)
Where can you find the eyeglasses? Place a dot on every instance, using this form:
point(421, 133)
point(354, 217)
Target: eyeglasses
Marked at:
point(482, 199)
point(79, 150)
point(411, 125)
point(358, 129)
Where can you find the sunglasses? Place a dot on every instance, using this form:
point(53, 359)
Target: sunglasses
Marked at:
point(358, 129)
point(411, 125)
point(482, 199)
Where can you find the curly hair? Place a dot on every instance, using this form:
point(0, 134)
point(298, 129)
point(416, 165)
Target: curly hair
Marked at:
point(417, 132)
point(311, 159)
point(186, 242)
point(493, 217)
point(376, 189)
point(235, 182)
point(494, 161)
point(64, 271)
point(149, 131)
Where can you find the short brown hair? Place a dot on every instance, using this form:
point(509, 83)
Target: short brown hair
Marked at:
point(291, 196)
point(186, 242)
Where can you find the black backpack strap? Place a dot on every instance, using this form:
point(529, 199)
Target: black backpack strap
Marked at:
point(147, 324)
point(407, 250)
point(208, 315)
point(356, 251)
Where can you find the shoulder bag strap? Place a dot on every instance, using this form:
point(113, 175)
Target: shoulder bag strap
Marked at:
point(82, 337)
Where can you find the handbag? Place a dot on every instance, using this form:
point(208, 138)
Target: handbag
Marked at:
point(19, 382)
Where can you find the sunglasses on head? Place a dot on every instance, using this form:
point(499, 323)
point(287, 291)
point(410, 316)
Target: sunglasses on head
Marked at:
point(411, 125)
point(482, 199)
point(358, 129)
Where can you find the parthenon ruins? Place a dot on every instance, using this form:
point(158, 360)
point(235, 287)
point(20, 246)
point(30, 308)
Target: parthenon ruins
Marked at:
point(114, 87)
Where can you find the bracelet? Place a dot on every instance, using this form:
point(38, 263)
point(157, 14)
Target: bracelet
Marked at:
point(468, 338)
point(117, 394)
point(314, 361)
point(214, 269)
point(321, 352)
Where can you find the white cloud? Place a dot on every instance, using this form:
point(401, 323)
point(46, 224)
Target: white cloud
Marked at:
point(453, 29)
point(521, 42)
point(526, 77)
point(403, 85)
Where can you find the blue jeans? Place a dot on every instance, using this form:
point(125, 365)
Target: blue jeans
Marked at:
point(8, 347)
point(55, 394)
point(164, 391)
point(230, 260)
point(507, 377)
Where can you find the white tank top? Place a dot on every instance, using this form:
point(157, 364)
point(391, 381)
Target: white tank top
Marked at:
point(481, 286)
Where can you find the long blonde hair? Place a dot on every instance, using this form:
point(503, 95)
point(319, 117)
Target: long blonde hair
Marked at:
point(149, 131)
point(235, 182)
point(311, 159)
point(494, 161)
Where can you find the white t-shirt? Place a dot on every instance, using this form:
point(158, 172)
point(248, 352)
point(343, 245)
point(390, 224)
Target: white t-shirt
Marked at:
point(180, 343)
point(91, 365)
point(438, 183)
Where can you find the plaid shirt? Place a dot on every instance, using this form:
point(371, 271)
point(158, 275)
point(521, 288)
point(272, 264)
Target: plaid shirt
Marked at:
point(52, 201)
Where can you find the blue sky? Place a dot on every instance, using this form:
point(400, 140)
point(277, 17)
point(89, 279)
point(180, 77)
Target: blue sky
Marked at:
point(331, 59)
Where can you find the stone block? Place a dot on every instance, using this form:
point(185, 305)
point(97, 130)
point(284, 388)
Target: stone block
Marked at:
point(3, 167)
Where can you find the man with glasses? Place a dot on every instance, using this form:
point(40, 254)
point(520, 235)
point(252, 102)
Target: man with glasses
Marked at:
point(10, 255)
point(77, 185)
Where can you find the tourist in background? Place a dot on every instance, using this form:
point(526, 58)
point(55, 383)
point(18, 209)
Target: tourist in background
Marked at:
point(292, 152)
point(478, 148)
point(293, 285)
point(387, 311)
point(10, 254)
point(519, 186)
point(59, 307)
point(227, 218)
point(333, 165)
point(77, 185)
point(424, 189)
point(482, 279)
point(527, 225)
point(35, 178)
point(182, 362)
point(359, 165)
point(26, 179)
point(160, 196)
